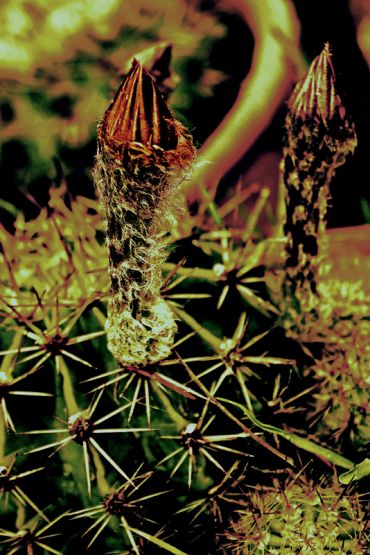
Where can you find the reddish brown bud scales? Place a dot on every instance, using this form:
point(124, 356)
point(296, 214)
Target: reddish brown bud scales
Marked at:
point(138, 114)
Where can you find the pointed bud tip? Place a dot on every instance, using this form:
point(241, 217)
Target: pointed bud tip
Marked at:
point(315, 95)
point(139, 114)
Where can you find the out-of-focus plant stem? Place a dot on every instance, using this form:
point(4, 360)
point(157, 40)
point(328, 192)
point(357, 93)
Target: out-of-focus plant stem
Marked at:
point(361, 15)
point(276, 33)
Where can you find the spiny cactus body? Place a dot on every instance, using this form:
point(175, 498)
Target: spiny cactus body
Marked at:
point(298, 518)
point(173, 447)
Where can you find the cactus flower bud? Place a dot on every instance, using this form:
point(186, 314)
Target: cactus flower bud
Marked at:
point(143, 155)
point(315, 96)
point(319, 136)
point(318, 307)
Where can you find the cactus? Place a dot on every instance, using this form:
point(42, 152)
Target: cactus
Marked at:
point(298, 517)
point(150, 383)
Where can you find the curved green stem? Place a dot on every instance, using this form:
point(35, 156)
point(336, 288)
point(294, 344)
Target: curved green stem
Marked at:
point(68, 391)
point(101, 481)
point(205, 334)
point(275, 27)
point(178, 420)
point(301, 442)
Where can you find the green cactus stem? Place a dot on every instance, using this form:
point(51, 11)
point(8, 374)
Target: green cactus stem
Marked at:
point(143, 155)
point(319, 137)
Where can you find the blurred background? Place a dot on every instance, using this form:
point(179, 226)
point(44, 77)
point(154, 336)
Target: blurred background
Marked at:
point(62, 61)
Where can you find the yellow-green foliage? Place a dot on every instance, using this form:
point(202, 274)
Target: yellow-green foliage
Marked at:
point(55, 256)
